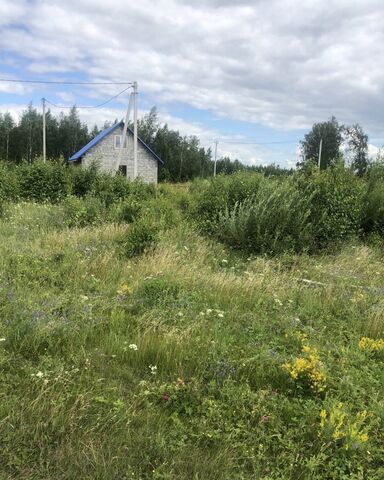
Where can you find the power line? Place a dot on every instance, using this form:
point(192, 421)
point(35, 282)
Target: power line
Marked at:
point(89, 106)
point(258, 143)
point(11, 80)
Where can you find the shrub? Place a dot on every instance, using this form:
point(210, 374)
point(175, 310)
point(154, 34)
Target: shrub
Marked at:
point(158, 290)
point(141, 237)
point(127, 211)
point(44, 181)
point(162, 211)
point(80, 212)
point(337, 199)
point(273, 221)
point(84, 179)
point(114, 188)
point(9, 185)
point(212, 198)
point(373, 217)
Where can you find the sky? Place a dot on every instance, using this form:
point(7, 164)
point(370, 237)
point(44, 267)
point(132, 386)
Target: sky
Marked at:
point(253, 75)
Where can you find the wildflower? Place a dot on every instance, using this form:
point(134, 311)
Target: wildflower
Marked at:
point(224, 261)
point(165, 397)
point(132, 346)
point(180, 382)
point(124, 290)
point(153, 369)
point(2, 339)
point(38, 374)
point(308, 368)
point(370, 345)
point(338, 425)
point(220, 315)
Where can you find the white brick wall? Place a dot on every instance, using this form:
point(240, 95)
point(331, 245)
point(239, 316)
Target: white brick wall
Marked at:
point(106, 155)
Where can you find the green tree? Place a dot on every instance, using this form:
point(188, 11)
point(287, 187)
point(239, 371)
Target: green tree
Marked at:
point(357, 147)
point(330, 132)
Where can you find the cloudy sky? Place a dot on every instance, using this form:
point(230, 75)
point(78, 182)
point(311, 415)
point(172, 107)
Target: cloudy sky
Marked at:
point(255, 75)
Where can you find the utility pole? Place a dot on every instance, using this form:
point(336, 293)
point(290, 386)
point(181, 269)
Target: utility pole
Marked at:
point(214, 165)
point(320, 147)
point(44, 134)
point(125, 127)
point(135, 129)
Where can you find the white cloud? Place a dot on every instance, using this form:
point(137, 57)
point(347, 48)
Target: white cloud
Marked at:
point(280, 63)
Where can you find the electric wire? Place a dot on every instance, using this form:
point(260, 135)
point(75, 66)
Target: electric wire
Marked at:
point(89, 106)
point(258, 143)
point(59, 82)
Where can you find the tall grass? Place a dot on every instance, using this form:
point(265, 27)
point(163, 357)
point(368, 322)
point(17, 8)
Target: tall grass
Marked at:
point(169, 364)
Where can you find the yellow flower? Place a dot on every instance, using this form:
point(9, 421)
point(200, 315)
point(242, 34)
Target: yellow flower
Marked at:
point(370, 345)
point(124, 290)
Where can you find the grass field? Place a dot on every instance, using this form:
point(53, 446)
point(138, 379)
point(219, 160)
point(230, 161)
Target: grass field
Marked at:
point(187, 362)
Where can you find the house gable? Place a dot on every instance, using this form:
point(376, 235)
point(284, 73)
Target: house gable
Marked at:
point(104, 150)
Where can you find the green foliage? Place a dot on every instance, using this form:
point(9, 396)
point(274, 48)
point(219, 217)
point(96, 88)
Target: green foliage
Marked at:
point(274, 220)
point(9, 185)
point(158, 290)
point(142, 236)
point(373, 215)
point(337, 201)
point(80, 212)
point(213, 198)
point(330, 133)
point(43, 181)
point(127, 211)
point(189, 363)
point(307, 211)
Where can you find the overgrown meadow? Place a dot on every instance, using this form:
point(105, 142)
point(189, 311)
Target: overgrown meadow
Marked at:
point(226, 329)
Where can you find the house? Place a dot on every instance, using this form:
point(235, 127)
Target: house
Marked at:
point(104, 149)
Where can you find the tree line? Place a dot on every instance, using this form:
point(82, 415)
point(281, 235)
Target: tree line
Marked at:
point(184, 157)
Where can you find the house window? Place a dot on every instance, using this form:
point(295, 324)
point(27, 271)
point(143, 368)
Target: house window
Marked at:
point(118, 141)
point(123, 170)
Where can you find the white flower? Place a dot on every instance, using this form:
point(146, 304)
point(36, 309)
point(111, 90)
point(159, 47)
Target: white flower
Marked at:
point(132, 346)
point(220, 315)
point(224, 261)
point(153, 369)
point(38, 374)
point(2, 339)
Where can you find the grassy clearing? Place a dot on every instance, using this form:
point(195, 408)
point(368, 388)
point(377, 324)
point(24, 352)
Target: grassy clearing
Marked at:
point(187, 362)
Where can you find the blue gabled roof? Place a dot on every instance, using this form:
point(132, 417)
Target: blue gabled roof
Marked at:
point(102, 135)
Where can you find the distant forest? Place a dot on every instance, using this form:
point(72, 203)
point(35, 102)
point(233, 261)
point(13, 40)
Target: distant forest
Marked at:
point(184, 157)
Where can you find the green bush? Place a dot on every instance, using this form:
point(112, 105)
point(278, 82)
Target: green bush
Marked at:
point(127, 211)
point(274, 220)
point(162, 211)
point(337, 200)
point(373, 217)
point(84, 179)
point(9, 185)
point(157, 291)
point(42, 182)
point(80, 212)
point(141, 237)
point(114, 188)
point(212, 198)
